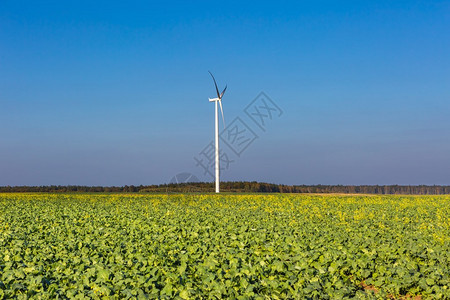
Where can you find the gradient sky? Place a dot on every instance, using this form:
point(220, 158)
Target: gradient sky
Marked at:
point(116, 92)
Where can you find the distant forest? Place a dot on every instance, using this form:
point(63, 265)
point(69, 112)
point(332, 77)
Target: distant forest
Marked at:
point(238, 187)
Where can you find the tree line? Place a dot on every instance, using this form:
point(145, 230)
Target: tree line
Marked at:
point(236, 187)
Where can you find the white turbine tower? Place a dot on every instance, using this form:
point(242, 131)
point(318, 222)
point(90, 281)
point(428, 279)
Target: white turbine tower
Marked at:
point(218, 99)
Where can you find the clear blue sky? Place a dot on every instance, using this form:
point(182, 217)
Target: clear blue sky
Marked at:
point(116, 92)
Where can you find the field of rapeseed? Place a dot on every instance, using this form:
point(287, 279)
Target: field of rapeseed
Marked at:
point(224, 246)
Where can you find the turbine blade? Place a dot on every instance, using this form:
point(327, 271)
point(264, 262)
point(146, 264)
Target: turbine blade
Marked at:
point(217, 90)
point(223, 92)
point(221, 109)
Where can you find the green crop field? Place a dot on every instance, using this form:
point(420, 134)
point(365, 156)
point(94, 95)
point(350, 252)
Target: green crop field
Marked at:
point(224, 246)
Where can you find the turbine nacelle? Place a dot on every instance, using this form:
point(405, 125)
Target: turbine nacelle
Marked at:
point(214, 99)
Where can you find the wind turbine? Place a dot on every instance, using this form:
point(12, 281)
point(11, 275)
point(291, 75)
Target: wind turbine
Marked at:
point(218, 99)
